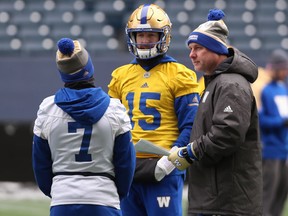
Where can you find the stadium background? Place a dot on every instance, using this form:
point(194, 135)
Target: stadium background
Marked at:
point(30, 29)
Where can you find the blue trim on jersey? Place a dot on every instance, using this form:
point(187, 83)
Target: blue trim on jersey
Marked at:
point(124, 160)
point(185, 114)
point(86, 106)
point(152, 64)
point(144, 14)
point(166, 58)
point(42, 164)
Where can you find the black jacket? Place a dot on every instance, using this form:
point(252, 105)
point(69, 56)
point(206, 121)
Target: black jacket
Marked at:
point(227, 179)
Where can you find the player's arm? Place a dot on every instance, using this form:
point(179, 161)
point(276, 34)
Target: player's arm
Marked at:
point(186, 90)
point(124, 159)
point(42, 164)
point(114, 90)
point(269, 117)
point(186, 107)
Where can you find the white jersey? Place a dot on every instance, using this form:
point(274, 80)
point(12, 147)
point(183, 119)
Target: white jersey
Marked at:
point(82, 154)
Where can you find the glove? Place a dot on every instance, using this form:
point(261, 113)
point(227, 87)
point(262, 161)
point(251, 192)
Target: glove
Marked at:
point(164, 166)
point(182, 158)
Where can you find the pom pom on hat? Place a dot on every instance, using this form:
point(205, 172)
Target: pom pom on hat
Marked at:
point(212, 34)
point(66, 46)
point(215, 14)
point(73, 61)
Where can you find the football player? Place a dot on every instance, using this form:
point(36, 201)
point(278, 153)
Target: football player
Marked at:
point(83, 155)
point(161, 97)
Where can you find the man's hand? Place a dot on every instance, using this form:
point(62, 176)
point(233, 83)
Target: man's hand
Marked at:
point(164, 166)
point(180, 158)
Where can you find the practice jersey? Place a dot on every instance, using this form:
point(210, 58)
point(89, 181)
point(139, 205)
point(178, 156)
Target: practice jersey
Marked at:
point(149, 98)
point(82, 154)
point(272, 115)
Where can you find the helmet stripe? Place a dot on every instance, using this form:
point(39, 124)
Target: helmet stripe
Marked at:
point(144, 13)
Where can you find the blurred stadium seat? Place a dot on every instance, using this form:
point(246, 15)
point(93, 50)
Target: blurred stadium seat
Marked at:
point(31, 28)
point(260, 22)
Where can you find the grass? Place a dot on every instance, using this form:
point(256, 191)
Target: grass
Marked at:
point(12, 207)
point(24, 207)
point(285, 212)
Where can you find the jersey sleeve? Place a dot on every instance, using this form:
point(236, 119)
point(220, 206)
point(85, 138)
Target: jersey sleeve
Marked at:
point(186, 91)
point(41, 154)
point(186, 108)
point(122, 122)
point(124, 159)
point(42, 164)
point(40, 125)
point(185, 82)
point(114, 85)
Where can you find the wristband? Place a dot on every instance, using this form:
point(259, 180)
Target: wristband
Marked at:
point(191, 152)
point(185, 155)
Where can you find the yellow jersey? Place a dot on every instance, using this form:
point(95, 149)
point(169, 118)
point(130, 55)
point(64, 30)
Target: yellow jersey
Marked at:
point(149, 97)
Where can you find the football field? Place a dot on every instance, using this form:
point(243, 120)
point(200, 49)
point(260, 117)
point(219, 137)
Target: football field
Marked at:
point(24, 207)
point(22, 199)
point(27, 200)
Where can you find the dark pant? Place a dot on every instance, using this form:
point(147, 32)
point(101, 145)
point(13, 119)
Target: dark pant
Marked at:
point(275, 179)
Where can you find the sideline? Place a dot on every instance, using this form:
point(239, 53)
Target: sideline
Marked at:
point(20, 191)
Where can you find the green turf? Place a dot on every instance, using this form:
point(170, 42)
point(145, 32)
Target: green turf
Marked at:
point(285, 212)
point(41, 208)
point(24, 208)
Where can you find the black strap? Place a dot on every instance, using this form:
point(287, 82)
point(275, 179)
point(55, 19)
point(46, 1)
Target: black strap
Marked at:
point(144, 171)
point(86, 174)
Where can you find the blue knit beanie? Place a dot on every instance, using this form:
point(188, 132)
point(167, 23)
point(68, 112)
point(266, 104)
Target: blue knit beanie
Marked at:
point(211, 34)
point(73, 61)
